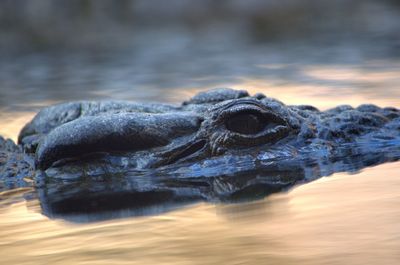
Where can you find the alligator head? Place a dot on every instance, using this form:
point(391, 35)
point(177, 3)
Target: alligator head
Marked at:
point(222, 145)
point(219, 123)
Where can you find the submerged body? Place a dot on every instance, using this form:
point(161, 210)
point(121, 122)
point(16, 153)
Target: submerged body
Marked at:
point(221, 144)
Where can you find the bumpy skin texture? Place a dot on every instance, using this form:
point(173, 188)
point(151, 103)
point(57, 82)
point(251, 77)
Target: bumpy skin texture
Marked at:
point(77, 137)
point(98, 160)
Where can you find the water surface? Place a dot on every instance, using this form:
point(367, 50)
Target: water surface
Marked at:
point(342, 219)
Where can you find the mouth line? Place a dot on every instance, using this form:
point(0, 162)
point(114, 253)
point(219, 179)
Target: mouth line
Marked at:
point(184, 151)
point(165, 158)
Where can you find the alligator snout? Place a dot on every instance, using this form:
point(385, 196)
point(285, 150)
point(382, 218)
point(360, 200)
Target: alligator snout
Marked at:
point(113, 132)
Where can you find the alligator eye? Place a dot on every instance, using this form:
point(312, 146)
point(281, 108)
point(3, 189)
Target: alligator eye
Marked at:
point(246, 123)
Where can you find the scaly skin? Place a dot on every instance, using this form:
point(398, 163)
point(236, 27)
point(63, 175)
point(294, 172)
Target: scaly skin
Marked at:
point(214, 123)
point(221, 139)
point(208, 125)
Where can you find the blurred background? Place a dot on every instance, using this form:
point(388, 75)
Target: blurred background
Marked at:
point(316, 52)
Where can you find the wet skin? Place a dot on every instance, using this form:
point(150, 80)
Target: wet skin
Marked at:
point(222, 144)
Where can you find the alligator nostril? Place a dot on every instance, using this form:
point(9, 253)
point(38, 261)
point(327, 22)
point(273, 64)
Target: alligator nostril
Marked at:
point(200, 120)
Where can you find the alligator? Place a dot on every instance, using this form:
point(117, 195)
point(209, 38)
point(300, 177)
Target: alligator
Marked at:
point(221, 145)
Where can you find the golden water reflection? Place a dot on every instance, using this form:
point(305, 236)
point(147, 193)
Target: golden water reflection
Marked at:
point(326, 86)
point(342, 219)
point(12, 123)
